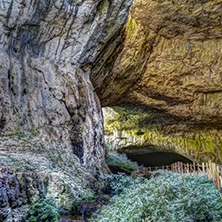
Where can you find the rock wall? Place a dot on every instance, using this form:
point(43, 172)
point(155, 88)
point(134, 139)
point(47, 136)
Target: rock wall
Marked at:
point(10, 195)
point(169, 61)
point(47, 49)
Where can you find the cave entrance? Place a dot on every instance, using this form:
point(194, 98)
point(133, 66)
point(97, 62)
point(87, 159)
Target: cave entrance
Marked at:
point(154, 157)
point(157, 158)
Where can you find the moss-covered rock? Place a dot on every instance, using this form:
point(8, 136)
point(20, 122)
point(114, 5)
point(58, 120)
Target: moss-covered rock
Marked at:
point(120, 161)
point(138, 129)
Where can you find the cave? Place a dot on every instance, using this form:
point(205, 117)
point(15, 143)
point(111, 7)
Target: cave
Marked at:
point(131, 128)
point(154, 67)
point(157, 158)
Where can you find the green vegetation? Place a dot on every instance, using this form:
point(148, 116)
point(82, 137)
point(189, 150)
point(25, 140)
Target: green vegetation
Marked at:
point(130, 27)
point(118, 182)
point(121, 161)
point(102, 6)
point(165, 197)
point(87, 195)
point(43, 210)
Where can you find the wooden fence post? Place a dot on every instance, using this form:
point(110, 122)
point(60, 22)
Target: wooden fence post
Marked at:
point(221, 175)
point(194, 169)
point(214, 174)
point(218, 179)
point(203, 169)
point(175, 167)
point(210, 170)
point(188, 171)
point(207, 170)
point(198, 169)
point(191, 169)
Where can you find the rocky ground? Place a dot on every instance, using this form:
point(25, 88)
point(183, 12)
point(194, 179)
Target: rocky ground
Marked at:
point(32, 165)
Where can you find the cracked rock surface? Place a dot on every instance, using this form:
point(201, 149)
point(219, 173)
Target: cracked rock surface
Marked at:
point(169, 61)
point(47, 49)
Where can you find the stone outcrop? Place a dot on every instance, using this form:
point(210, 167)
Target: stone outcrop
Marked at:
point(47, 50)
point(170, 60)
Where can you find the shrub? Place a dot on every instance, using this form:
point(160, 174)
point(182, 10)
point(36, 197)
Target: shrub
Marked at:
point(43, 210)
point(87, 195)
point(165, 197)
point(118, 182)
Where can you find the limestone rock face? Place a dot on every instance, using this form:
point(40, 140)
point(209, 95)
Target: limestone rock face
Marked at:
point(170, 60)
point(47, 49)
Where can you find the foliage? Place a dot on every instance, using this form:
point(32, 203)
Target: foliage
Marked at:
point(121, 161)
point(118, 182)
point(42, 210)
point(165, 197)
point(86, 195)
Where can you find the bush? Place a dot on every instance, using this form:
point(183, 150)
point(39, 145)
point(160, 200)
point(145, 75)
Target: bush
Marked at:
point(165, 198)
point(43, 210)
point(118, 182)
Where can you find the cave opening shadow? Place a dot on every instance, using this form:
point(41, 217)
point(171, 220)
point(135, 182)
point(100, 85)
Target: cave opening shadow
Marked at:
point(157, 158)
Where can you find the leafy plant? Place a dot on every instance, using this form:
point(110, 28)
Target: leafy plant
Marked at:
point(165, 197)
point(117, 182)
point(87, 195)
point(42, 210)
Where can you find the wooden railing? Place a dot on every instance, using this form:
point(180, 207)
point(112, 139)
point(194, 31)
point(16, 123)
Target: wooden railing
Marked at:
point(211, 170)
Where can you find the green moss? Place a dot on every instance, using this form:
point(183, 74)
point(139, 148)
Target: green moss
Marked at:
point(202, 102)
point(121, 161)
point(102, 5)
point(165, 132)
point(130, 27)
point(215, 95)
